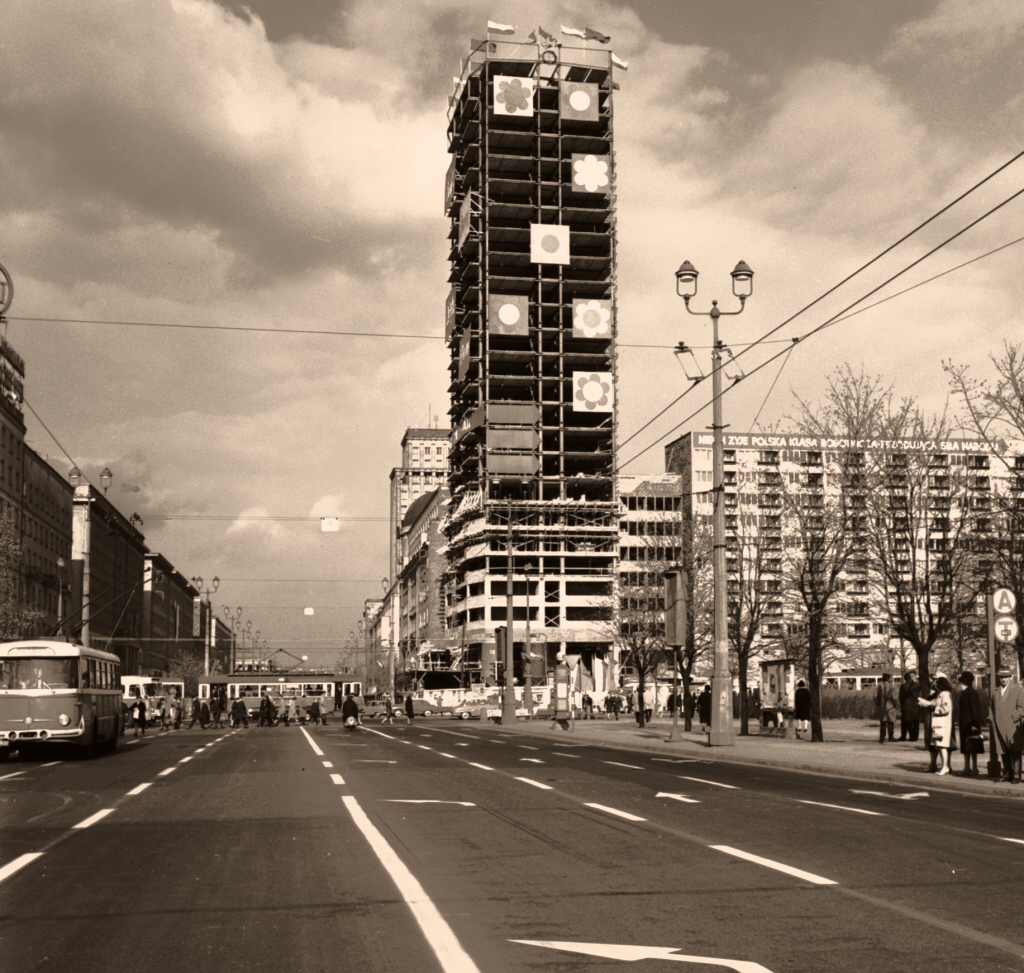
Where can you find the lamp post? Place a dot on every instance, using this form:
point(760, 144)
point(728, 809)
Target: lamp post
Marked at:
point(75, 479)
point(208, 627)
point(233, 622)
point(720, 734)
point(527, 654)
point(60, 596)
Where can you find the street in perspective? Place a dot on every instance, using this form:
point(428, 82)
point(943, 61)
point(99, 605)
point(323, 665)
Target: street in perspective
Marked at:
point(483, 492)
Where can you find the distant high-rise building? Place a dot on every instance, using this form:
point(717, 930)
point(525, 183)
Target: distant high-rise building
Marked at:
point(530, 321)
point(424, 468)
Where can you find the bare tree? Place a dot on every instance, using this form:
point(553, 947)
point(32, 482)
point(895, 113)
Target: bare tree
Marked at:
point(17, 620)
point(994, 410)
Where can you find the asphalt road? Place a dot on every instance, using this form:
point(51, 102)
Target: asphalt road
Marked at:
point(456, 847)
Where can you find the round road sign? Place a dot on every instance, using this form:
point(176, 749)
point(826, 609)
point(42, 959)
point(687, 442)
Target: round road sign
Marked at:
point(1004, 601)
point(1006, 628)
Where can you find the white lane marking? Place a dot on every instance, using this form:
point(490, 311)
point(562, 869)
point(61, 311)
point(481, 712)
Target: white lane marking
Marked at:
point(558, 753)
point(93, 818)
point(367, 760)
point(15, 774)
point(52, 763)
point(615, 763)
point(18, 863)
point(677, 797)
point(530, 760)
point(462, 744)
point(536, 783)
point(200, 750)
point(778, 866)
point(312, 742)
point(448, 950)
point(713, 783)
point(399, 800)
point(1016, 841)
point(450, 756)
point(523, 746)
point(327, 763)
point(337, 778)
point(169, 770)
point(481, 766)
point(672, 760)
point(843, 807)
point(139, 789)
point(634, 953)
point(616, 812)
point(185, 760)
point(911, 796)
point(423, 747)
point(128, 743)
point(500, 743)
point(571, 746)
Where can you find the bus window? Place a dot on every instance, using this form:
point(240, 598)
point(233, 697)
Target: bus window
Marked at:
point(247, 691)
point(39, 673)
point(204, 690)
point(289, 689)
point(313, 689)
point(152, 689)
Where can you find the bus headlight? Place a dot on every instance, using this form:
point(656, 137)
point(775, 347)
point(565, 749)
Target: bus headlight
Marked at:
point(64, 719)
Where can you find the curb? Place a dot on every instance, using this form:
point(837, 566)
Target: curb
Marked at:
point(982, 788)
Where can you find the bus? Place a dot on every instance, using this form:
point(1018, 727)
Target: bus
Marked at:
point(154, 690)
point(54, 692)
point(249, 687)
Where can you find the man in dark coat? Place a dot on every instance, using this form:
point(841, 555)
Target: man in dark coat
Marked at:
point(887, 702)
point(704, 707)
point(1008, 716)
point(410, 710)
point(802, 706)
point(910, 713)
point(970, 716)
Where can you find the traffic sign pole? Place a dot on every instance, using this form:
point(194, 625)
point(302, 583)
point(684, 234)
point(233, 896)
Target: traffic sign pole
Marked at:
point(993, 758)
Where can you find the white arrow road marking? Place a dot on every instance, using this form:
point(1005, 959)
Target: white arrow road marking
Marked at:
point(677, 797)
point(93, 818)
point(913, 795)
point(713, 783)
point(778, 866)
point(399, 800)
point(843, 807)
point(19, 863)
point(536, 783)
point(450, 954)
point(615, 763)
point(138, 790)
point(616, 812)
point(633, 953)
point(530, 760)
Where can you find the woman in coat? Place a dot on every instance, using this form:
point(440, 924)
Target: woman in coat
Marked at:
point(802, 706)
point(970, 716)
point(704, 707)
point(410, 709)
point(941, 706)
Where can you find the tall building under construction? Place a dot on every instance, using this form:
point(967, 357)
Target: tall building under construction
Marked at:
point(530, 321)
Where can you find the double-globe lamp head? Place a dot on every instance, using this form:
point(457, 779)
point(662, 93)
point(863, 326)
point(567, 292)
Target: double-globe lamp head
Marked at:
point(742, 280)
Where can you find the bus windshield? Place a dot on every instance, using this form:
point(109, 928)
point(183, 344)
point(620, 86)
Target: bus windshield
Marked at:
point(38, 673)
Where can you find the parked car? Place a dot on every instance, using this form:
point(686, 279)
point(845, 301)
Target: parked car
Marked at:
point(374, 707)
point(478, 707)
point(420, 707)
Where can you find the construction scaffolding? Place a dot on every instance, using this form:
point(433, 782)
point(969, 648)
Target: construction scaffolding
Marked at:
point(530, 321)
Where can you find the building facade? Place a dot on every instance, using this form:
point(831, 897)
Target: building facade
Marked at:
point(424, 468)
point(530, 322)
point(45, 532)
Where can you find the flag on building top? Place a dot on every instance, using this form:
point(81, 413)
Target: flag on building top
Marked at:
point(330, 524)
point(541, 36)
point(616, 60)
point(592, 392)
point(508, 314)
point(578, 100)
point(573, 31)
point(493, 28)
point(596, 35)
point(591, 319)
point(590, 173)
point(513, 96)
point(307, 611)
point(549, 243)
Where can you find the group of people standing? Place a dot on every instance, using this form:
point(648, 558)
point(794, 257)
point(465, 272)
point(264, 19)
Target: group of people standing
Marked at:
point(950, 718)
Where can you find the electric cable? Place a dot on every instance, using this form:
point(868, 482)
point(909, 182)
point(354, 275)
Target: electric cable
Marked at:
point(835, 287)
point(842, 315)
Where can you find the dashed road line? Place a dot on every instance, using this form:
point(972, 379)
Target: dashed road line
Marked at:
point(558, 753)
point(615, 763)
point(448, 950)
point(15, 774)
point(615, 811)
point(481, 766)
point(778, 866)
point(450, 756)
point(52, 763)
point(18, 864)
point(535, 783)
point(523, 746)
point(327, 763)
point(677, 797)
point(92, 819)
point(312, 742)
point(138, 790)
point(337, 778)
point(713, 783)
point(843, 807)
point(530, 760)
point(169, 770)
point(185, 760)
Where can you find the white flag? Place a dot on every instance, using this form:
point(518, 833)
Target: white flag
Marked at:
point(573, 31)
point(493, 28)
point(307, 611)
point(328, 524)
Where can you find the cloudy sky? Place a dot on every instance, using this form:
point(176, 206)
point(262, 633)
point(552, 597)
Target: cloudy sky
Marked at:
point(281, 165)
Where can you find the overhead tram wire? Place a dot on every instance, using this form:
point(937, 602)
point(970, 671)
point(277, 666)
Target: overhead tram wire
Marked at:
point(835, 287)
point(844, 315)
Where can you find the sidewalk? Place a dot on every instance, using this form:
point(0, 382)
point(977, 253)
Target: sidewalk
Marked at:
point(851, 750)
